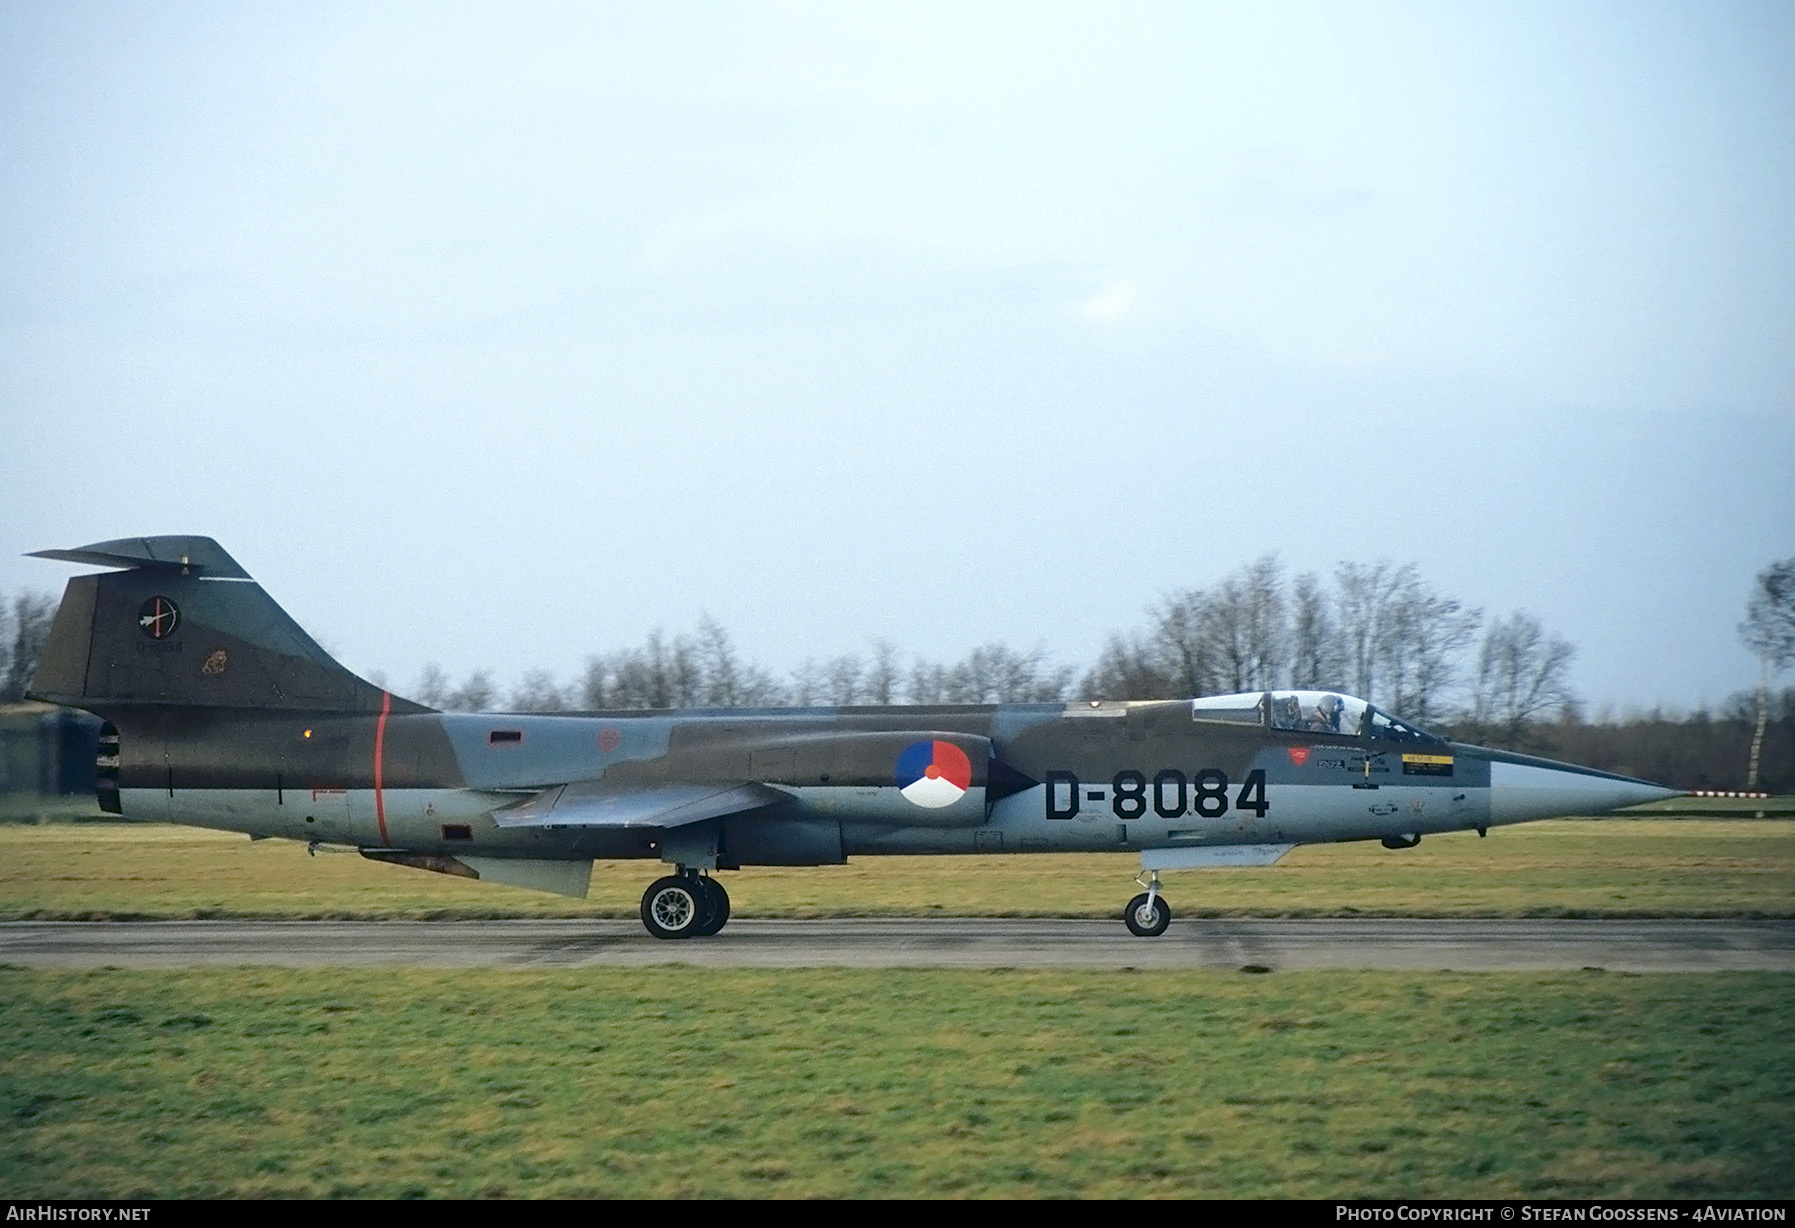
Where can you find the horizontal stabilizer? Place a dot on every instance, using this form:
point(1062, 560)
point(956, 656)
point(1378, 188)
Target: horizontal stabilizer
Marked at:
point(199, 555)
point(592, 804)
point(1212, 856)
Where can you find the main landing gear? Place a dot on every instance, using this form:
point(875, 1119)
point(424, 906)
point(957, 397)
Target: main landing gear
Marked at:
point(1148, 914)
point(685, 905)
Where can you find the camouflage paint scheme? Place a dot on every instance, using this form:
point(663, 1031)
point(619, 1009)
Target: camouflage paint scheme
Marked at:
point(224, 713)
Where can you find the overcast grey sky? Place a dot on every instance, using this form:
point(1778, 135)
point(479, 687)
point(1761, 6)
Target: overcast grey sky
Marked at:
point(498, 335)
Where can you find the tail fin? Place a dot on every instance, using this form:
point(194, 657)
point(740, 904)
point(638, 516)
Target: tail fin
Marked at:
point(184, 624)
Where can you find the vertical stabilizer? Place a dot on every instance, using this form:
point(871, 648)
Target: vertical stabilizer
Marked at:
point(183, 624)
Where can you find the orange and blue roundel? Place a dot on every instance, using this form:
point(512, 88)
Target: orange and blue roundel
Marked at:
point(933, 774)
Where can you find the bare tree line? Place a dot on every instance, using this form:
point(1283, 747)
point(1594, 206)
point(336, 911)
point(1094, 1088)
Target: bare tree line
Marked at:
point(24, 628)
point(1769, 631)
point(703, 669)
point(1376, 630)
point(1707, 748)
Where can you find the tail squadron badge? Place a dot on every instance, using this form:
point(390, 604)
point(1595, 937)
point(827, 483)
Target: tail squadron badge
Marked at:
point(158, 617)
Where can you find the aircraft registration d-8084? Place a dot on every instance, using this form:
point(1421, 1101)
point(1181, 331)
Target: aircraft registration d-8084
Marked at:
point(221, 712)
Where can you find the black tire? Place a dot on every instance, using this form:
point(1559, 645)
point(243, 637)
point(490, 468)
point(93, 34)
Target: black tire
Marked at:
point(1147, 925)
point(716, 907)
point(674, 907)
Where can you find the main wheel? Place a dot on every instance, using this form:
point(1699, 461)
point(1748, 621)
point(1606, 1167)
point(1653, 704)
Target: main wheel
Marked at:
point(674, 907)
point(716, 907)
point(1148, 922)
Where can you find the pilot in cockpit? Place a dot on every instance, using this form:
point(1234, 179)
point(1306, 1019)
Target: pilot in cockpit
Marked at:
point(1327, 715)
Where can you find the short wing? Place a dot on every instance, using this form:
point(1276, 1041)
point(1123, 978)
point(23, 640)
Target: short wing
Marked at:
point(592, 804)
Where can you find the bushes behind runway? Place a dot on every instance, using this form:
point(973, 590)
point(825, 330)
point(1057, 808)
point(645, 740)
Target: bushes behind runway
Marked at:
point(679, 1081)
point(1625, 868)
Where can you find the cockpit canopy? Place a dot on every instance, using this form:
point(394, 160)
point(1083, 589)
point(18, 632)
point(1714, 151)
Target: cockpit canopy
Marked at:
point(1323, 712)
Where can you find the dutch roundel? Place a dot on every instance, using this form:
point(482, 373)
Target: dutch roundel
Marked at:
point(933, 774)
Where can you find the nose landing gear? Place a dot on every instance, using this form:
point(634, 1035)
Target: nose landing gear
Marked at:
point(685, 905)
point(1147, 914)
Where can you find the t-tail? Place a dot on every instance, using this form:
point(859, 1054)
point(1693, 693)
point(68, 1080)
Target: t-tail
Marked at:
point(182, 625)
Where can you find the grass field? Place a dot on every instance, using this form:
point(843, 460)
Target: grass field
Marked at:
point(674, 1082)
point(678, 1081)
point(1634, 867)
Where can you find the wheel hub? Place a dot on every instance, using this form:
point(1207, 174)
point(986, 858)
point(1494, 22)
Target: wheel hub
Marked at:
point(674, 908)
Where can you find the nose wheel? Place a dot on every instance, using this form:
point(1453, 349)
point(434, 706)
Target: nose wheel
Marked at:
point(1148, 914)
point(684, 905)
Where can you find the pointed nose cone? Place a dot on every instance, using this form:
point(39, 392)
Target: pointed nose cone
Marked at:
point(1543, 790)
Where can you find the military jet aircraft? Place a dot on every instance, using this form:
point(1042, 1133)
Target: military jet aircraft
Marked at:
point(221, 712)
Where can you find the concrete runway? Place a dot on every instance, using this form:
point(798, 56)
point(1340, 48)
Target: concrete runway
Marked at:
point(1367, 943)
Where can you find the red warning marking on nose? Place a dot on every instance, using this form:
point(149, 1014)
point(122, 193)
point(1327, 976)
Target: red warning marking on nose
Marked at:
point(1299, 755)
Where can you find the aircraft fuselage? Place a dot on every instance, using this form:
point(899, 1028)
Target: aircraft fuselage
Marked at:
point(1086, 777)
point(224, 713)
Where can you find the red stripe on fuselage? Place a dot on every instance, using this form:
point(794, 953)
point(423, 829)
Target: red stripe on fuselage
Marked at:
point(386, 706)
